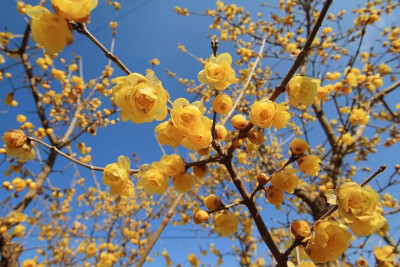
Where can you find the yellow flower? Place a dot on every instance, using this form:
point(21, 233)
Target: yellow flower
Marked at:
point(172, 165)
point(201, 216)
point(168, 134)
point(309, 164)
point(358, 207)
point(155, 62)
point(187, 117)
point(358, 116)
point(212, 202)
point(91, 250)
point(298, 146)
point(29, 263)
point(302, 91)
point(115, 174)
point(19, 230)
point(225, 223)
point(282, 117)
point(19, 184)
point(218, 72)
point(384, 254)
point(141, 99)
point(239, 122)
point(222, 104)
point(17, 146)
point(49, 30)
point(329, 241)
point(76, 10)
point(125, 189)
point(152, 179)
point(300, 229)
point(274, 195)
point(184, 182)
point(200, 139)
point(107, 259)
point(262, 113)
point(9, 100)
point(285, 180)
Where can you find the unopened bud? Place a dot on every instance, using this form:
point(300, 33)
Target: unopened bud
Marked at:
point(262, 179)
point(200, 171)
point(212, 202)
point(300, 229)
point(239, 122)
point(237, 142)
point(256, 137)
point(201, 216)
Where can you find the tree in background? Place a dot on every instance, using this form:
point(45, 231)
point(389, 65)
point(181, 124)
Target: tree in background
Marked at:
point(283, 124)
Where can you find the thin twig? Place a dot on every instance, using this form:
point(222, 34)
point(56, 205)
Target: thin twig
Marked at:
point(303, 53)
point(160, 229)
point(259, 56)
point(55, 149)
point(81, 28)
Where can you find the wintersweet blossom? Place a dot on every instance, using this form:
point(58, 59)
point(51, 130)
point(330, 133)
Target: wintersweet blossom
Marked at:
point(49, 30)
point(358, 117)
point(302, 91)
point(282, 117)
point(76, 10)
point(309, 164)
point(172, 165)
point(184, 182)
point(187, 116)
point(17, 146)
point(262, 113)
point(357, 205)
point(116, 175)
point(285, 180)
point(218, 72)
point(141, 99)
point(225, 223)
point(329, 240)
point(152, 179)
point(168, 134)
point(298, 146)
point(222, 104)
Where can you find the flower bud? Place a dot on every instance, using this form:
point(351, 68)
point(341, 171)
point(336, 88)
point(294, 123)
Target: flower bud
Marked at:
point(239, 122)
point(203, 151)
point(237, 142)
point(300, 229)
point(201, 216)
point(212, 202)
point(298, 146)
point(255, 137)
point(220, 132)
point(262, 179)
point(200, 171)
point(302, 91)
point(274, 196)
point(222, 104)
point(309, 164)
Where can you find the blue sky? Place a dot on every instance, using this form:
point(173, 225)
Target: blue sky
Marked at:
point(150, 29)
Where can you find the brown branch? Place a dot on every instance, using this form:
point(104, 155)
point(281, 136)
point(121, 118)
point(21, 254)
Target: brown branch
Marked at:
point(332, 210)
point(160, 229)
point(56, 150)
point(303, 53)
point(35, 92)
point(81, 28)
